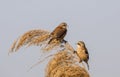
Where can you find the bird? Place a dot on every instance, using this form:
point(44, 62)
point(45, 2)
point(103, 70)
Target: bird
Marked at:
point(59, 33)
point(82, 52)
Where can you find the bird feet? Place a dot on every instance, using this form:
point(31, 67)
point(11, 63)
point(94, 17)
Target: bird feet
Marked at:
point(64, 41)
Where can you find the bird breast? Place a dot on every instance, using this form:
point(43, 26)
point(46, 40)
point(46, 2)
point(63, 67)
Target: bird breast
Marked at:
point(81, 53)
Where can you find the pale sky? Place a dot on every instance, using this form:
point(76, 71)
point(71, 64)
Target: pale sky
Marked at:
point(96, 22)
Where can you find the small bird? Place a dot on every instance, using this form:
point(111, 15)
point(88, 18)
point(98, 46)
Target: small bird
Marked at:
point(59, 33)
point(82, 52)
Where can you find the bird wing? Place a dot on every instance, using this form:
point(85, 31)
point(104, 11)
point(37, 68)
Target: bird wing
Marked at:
point(59, 32)
point(86, 51)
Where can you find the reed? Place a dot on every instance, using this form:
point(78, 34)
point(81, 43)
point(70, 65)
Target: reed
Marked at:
point(35, 37)
point(65, 64)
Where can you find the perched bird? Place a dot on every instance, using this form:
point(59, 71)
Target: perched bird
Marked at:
point(82, 52)
point(59, 33)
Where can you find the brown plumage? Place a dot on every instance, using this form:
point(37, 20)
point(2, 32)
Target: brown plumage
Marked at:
point(59, 33)
point(82, 52)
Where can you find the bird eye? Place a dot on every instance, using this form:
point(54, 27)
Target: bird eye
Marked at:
point(78, 43)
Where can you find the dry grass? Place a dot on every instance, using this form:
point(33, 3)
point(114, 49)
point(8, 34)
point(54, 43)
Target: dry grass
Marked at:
point(65, 64)
point(39, 40)
point(35, 37)
point(69, 71)
point(53, 45)
point(26, 38)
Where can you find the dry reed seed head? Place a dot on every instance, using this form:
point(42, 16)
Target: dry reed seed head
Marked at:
point(65, 55)
point(28, 37)
point(36, 37)
point(54, 62)
point(39, 40)
point(13, 46)
point(53, 45)
point(68, 70)
point(62, 58)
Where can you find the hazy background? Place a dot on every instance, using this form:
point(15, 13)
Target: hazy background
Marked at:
point(97, 22)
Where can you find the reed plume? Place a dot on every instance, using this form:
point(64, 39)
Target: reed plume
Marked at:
point(35, 37)
point(65, 64)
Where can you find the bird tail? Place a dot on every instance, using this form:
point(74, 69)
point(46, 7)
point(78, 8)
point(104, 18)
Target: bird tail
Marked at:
point(87, 65)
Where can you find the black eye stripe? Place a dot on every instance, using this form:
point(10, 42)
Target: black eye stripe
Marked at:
point(78, 43)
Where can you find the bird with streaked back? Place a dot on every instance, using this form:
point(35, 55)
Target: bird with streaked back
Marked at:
point(59, 33)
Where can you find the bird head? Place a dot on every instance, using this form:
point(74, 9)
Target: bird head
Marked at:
point(80, 43)
point(63, 25)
